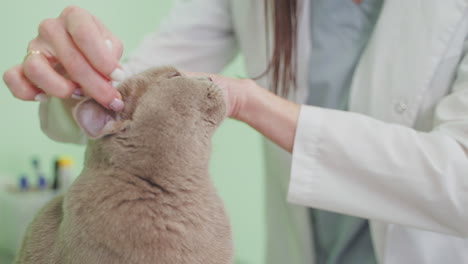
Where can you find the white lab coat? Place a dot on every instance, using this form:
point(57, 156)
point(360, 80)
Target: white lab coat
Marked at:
point(400, 159)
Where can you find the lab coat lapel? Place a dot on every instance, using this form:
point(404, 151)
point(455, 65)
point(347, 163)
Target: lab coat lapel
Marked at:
point(409, 41)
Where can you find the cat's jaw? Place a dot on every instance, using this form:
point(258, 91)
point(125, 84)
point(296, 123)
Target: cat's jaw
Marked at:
point(176, 168)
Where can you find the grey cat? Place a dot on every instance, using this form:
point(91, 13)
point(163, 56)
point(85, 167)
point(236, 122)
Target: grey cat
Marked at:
point(145, 194)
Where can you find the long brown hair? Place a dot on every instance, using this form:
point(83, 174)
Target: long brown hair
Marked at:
point(283, 64)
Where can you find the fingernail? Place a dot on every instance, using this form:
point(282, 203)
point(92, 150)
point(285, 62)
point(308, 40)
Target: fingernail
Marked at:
point(41, 97)
point(117, 105)
point(109, 44)
point(77, 94)
point(117, 75)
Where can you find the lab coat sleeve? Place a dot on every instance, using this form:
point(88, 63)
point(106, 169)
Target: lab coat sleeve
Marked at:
point(354, 164)
point(196, 36)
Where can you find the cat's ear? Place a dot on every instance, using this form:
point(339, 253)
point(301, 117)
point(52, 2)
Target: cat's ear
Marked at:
point(96, 120)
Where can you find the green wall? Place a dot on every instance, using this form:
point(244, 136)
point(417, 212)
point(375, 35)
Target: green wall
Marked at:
point(237, 165)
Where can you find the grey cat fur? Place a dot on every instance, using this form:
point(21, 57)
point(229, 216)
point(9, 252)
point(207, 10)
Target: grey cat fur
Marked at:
point(145, 194)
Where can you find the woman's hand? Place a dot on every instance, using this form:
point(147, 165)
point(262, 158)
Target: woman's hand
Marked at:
point(73, 54)
point(275, 117)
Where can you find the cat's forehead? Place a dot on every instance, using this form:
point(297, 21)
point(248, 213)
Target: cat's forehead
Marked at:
point(164, 86)
point(135, 87)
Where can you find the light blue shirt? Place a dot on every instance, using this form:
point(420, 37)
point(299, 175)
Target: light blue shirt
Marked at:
point(340, 29)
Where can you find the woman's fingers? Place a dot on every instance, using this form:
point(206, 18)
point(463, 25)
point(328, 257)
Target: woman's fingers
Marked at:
point(37, 69)
point(114, 43)
point(77, 66)
point(92, 83)
point(89, 40)
point(19, 85)
point(73, 51)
